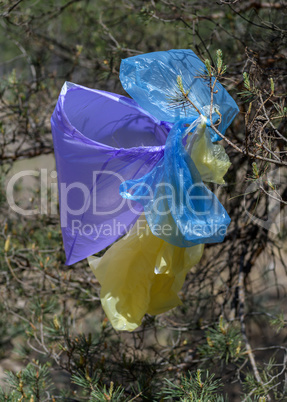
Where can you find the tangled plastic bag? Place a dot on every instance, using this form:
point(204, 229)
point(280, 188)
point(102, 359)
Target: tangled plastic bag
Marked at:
point(211, 160)
point(100, 140)
point(117, 157)
point(152, 81)
point(141, 274)
point(179, 208)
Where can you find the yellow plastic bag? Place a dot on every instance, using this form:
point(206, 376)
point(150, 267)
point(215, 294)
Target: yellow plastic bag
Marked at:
point(141, 274)
point(211, 160)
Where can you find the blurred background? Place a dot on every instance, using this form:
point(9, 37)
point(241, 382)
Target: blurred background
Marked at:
point(228, 339)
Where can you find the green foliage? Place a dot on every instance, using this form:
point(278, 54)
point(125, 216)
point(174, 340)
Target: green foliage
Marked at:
point(278, 322)
point(195, 388)
point(224, 342)
point(95, 391)
point(208, 67)
point(270, 381)
point(180, 98)
point(246, 81)
point(52, 312)
point(221, 69)
point(32, 384)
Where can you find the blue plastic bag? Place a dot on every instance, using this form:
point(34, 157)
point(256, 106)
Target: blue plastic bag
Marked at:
point(179, 208)
point(151, 80)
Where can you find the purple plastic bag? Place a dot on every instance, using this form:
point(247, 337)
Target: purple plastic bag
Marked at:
point(101, 140)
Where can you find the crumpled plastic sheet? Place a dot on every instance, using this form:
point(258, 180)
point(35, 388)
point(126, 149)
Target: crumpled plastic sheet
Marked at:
point(141, 274)
point(100, 140)
point(179, 208)
point(211, 160)
point(151, 80)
